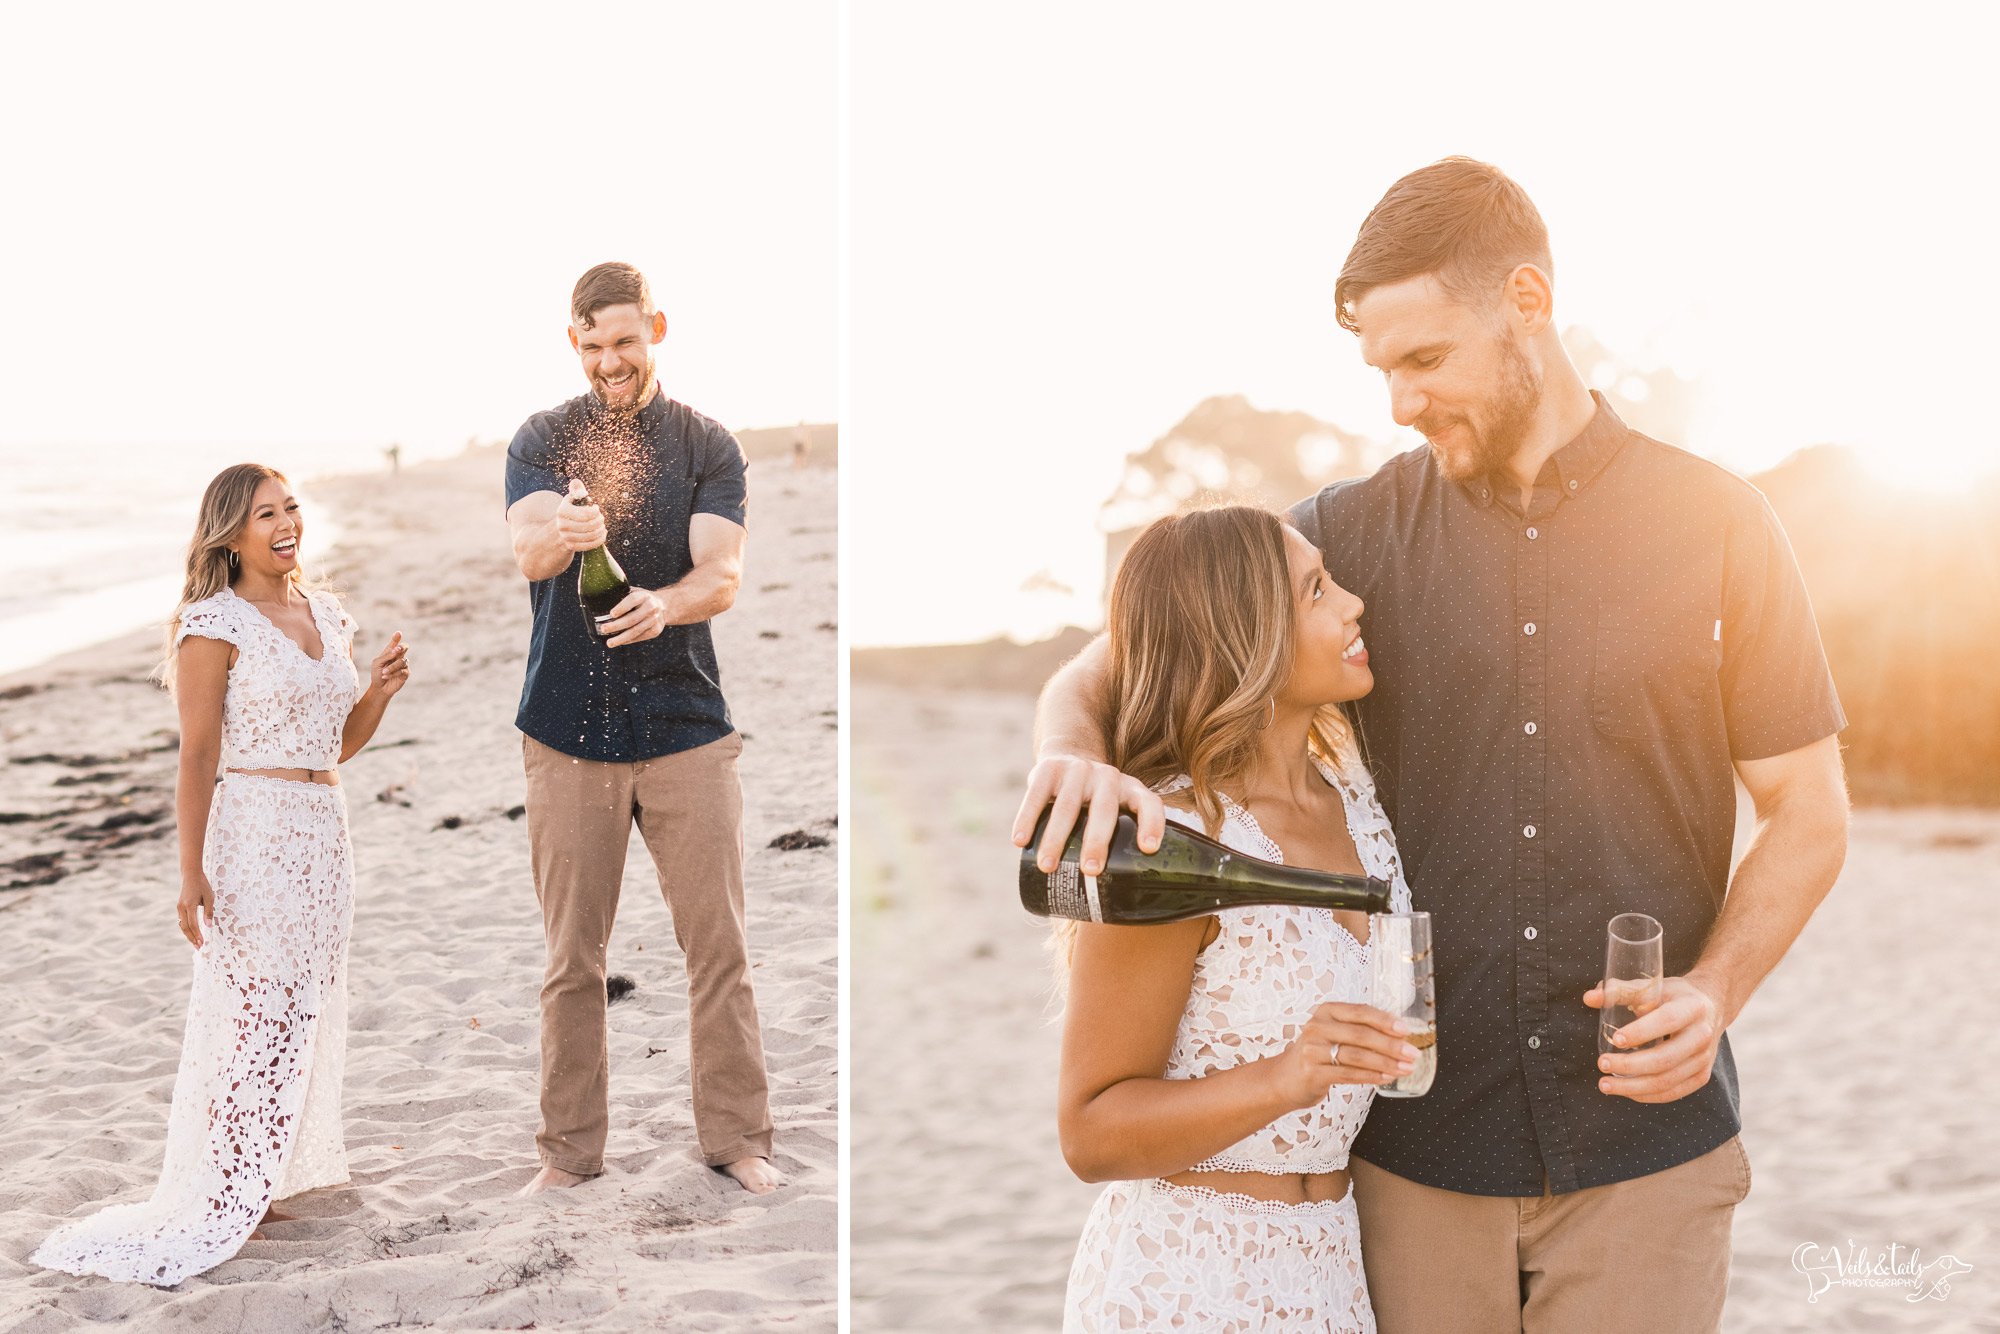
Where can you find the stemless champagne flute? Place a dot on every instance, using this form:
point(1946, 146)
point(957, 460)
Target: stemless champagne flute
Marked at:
point(1402, 984)
point(1632, 976)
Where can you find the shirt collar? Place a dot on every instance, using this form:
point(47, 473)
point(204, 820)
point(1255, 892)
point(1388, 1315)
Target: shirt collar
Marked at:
point(655, 407)
point(1576, 464)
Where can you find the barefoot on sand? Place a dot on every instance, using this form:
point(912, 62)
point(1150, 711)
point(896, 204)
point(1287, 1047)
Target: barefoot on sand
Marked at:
point(551, 1178)
point(271, 1215)
point(755, 1175)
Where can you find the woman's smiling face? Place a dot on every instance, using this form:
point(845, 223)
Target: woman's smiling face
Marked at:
point(1330, 662)
point(269, 542)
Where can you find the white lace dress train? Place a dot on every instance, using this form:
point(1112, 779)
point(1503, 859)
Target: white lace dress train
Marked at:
point(256, 1109)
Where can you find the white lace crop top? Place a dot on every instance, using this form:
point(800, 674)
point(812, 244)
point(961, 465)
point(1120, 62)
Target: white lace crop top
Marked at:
point(282, 710)
point(1258, 981)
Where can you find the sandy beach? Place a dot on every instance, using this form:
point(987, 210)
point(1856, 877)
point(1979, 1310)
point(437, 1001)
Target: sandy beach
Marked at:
point(1863, 1129)
point(445, 963)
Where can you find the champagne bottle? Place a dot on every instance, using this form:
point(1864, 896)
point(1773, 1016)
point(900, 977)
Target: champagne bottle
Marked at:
point(1190, 875)
point(600, 581)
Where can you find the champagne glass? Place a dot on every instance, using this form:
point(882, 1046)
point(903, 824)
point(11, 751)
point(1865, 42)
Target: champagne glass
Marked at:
point(1401, 982)
point(1632, 976)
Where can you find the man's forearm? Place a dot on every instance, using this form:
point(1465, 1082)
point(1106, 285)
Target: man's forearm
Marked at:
point(544, 558)
point(703, 593)
point(1792, 862)
point(1069, 717)
point(1073, 771)
point(539, 551)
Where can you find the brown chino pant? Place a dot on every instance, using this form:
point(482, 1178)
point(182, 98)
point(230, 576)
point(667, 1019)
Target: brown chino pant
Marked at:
point(1647, 1254)
point(689, 808)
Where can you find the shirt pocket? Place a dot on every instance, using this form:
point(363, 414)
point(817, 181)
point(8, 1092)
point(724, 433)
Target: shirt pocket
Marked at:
point(1653, 671)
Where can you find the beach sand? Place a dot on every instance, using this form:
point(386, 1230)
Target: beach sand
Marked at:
point(445, 964)
point(1863, 1124)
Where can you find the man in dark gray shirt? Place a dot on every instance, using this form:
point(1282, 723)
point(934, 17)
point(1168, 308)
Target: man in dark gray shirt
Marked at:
point(623, 724)
point(1582, 639)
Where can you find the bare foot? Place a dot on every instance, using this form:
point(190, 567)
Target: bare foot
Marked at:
point(551, 1178)
point(755, 1175)
point(271, 1215)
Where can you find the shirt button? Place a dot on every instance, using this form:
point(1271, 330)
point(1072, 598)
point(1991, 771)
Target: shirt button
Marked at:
point(1531, 933)
point(1528, 832)
point(1484, 494)
point(1572, 486)
point(1534, 1042)
point(1533, 534)
point(1529, 628)
point(1529, 729)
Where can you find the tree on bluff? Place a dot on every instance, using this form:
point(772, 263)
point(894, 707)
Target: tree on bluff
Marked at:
point(1227, 451)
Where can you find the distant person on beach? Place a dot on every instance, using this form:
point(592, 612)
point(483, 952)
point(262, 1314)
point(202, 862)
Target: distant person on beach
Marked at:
point(627, 724)
point(801, 446)
point(1583, 639)
point(260, 664)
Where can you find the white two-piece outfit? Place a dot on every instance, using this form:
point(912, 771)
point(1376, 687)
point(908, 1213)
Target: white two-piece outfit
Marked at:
point(1156, 1256)
point(256, 1110)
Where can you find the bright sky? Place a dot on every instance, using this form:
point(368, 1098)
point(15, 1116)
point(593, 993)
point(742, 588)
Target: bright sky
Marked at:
point(261, 225)
point(1070, 223)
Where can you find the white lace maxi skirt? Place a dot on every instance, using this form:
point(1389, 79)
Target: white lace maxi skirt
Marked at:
point(1155, 1256)
point(256, 1112)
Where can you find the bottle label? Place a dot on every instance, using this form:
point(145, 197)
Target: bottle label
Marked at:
point(1073, 894)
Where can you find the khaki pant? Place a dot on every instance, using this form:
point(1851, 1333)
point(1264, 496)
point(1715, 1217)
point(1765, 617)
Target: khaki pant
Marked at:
point(1647, 1254)
point(689, 808)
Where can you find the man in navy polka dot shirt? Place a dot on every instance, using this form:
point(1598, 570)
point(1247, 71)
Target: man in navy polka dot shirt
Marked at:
point(1582, 640)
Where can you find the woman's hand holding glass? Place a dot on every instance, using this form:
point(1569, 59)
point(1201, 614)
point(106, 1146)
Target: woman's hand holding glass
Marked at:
point(1343, 1043)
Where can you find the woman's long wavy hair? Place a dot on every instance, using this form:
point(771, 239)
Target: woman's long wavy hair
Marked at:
point(1202, 637)
point(225, 512)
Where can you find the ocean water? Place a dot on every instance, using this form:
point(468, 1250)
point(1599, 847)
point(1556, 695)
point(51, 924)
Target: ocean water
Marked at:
point(93, 539)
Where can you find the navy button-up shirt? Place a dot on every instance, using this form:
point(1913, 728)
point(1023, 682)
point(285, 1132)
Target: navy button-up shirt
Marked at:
point(1559, 695)
point(650, 475)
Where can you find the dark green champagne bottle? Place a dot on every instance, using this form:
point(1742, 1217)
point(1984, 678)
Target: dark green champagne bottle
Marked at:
point(1190, 875)
point(600, 581)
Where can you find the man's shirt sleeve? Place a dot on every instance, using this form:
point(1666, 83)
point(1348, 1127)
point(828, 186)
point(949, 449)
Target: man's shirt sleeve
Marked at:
point(529, 467)
point(1777, 691)
point(720, 489)
point(1304, 516)
point(1331, 519)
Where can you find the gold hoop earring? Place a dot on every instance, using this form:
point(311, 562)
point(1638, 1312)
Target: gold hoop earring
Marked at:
point(232, 560)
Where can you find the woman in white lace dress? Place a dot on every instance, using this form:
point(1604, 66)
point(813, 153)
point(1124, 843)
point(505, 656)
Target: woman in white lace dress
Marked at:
point(1215, 1071)
point(262, 674)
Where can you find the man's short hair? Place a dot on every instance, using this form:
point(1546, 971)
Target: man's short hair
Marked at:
point(1462, 222)
point(611, 284)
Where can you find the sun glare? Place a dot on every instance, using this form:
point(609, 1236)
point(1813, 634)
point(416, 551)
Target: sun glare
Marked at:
point(1939, 474)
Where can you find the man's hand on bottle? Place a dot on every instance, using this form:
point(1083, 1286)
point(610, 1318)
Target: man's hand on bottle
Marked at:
point(579, 527)
point(1069, 783)
point(641, 616)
